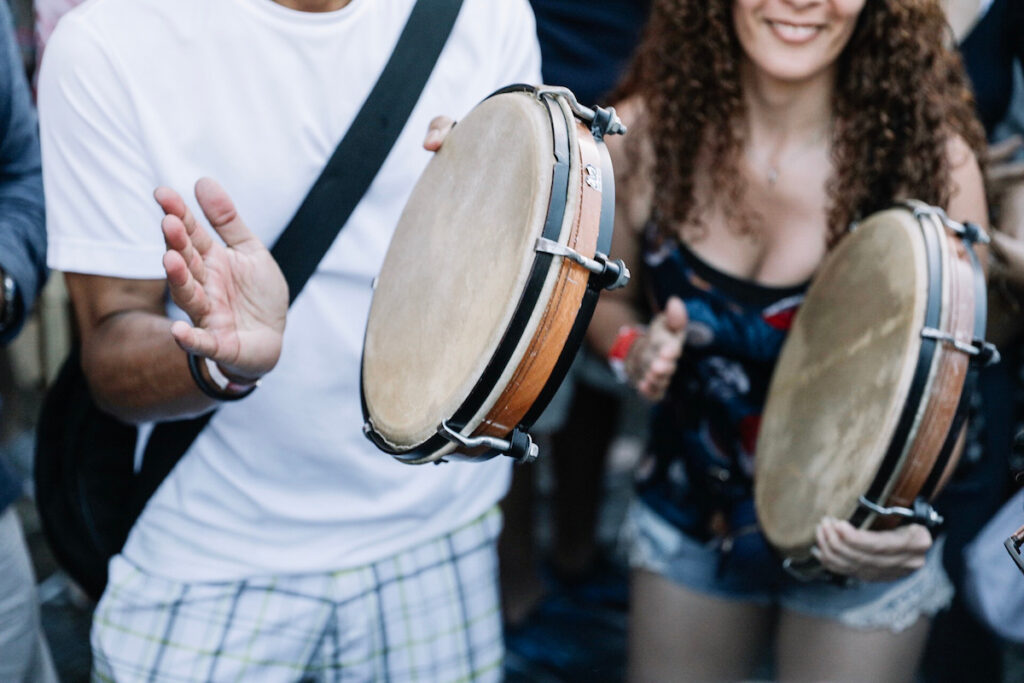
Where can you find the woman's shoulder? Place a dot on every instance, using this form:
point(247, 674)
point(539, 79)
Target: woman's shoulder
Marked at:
point(967, 200)
point(633, 162)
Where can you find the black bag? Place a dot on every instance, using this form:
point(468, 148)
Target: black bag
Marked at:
point(87, 490)
point(83, 473)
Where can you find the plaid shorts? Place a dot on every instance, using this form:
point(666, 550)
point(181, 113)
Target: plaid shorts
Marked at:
point(430, 613)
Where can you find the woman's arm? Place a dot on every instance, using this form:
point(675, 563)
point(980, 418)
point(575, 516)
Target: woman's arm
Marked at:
point(652, 354)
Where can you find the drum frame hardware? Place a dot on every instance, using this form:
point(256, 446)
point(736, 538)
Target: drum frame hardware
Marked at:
point(980, 350)
point(1013, 544)
point(610, 274)
point(520, 446)
point(603, 120)
point(921, 513)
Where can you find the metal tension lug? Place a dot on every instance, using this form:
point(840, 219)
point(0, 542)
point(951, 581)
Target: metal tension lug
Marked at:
point(988, 353)
point(603, 121)
point(609, 274)
point(972, 233)
point(921, 513)
point(1012, 546)
point(805, 571)
point(615, 276)
point(519, 447)
point(980, 351)
point(606, 122)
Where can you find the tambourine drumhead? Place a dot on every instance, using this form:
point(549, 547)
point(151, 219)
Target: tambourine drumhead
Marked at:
point(457, 265)
point(842, 380)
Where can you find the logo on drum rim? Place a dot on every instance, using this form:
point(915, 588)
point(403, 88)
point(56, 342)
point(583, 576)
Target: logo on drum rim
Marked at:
point(592, 177)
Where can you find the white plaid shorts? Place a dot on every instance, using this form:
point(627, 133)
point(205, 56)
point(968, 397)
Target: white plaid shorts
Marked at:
point(430, 613)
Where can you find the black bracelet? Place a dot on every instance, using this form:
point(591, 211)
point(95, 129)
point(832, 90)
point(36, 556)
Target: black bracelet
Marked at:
point(213, 392)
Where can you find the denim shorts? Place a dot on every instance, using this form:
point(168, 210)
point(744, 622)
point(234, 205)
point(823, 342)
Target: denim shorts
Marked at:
point(657, 546)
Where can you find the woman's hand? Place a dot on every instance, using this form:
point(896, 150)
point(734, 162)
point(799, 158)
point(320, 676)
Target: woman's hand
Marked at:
point(652, 359)
point(438, 130)
point(871, 555)
point(235, 294)
point(1005, 180)
point(1001, 171)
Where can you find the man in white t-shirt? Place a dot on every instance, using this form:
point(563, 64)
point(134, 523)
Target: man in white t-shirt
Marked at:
point(283, 545)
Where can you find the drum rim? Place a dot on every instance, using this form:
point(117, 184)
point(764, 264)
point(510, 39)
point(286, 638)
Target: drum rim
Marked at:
point(932, 485)
point(516, 330)
point(915, 401)
point(590, 295)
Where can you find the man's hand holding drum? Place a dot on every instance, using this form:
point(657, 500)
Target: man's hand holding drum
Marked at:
point(439, 128)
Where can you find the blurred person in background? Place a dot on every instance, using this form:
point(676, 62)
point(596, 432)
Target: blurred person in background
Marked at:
point(24, 655)
point(584, 47)
point(990, 37)
point(557, 607)
point(47, 14)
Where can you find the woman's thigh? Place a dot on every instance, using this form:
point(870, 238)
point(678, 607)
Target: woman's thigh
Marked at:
point(677, 634)
point(816, 649)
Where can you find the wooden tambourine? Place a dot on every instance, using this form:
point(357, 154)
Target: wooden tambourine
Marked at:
point(491, 279)
point(868, 400)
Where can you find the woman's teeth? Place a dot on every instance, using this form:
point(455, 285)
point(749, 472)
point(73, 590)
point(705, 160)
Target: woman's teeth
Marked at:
point(793, 31)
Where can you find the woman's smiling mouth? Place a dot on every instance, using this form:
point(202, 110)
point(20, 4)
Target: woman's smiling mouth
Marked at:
point(794, 33)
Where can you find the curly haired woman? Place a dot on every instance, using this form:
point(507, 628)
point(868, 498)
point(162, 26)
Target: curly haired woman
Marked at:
point(759, 130)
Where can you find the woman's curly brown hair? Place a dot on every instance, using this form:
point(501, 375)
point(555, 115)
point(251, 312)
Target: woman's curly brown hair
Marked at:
point(900, 95)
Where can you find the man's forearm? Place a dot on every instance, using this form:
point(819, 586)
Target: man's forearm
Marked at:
point(137, 372)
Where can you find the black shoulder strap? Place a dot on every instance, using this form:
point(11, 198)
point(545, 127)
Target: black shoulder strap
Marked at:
point(369, 140)
point(333, 197)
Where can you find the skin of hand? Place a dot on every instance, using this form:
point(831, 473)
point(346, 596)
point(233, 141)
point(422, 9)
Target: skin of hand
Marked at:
point(652, 359)
point(870, 555)
point(1001, 171)
point(438, 130)
point(235, 294)
point(1005, 180)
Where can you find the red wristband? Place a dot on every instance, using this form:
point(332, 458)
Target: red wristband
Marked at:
point(628, 334)
point(624, 342)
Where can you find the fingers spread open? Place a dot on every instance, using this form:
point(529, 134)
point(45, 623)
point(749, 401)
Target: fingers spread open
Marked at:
point(176, 238)
point(170, 201)
point(223, 217)
point(173, 205)
point(185, 290)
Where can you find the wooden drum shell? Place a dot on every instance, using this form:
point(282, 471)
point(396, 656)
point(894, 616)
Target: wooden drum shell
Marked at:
point(552, 331)
point(942, 397)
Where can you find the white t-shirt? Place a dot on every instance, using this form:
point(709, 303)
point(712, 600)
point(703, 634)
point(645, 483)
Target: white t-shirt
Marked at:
point(139, 93)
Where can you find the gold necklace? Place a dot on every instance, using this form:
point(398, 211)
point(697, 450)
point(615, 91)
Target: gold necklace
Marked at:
point(772, 176)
